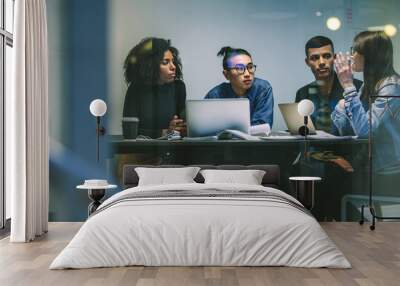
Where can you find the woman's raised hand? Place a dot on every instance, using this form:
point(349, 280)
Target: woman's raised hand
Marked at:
point(343, 70)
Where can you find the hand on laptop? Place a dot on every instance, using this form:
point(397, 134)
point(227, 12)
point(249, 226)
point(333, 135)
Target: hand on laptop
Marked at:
point(178, 125)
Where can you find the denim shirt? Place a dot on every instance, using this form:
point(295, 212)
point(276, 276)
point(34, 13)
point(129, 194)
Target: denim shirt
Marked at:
point(260, 96)
point(312, 92)
point(385, 121)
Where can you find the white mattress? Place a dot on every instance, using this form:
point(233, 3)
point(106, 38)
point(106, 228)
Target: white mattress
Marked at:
point(200, 231)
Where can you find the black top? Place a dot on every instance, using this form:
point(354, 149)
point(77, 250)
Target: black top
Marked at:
point(324, 105)
point(155, 105)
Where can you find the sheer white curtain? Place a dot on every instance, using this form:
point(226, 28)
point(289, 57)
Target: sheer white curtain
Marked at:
point(27, 124)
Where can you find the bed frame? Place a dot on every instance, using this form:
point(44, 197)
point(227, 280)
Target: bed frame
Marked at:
point(271, 178)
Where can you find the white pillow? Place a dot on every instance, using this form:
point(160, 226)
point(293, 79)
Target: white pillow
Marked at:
point(248, 177)
point(165, 176)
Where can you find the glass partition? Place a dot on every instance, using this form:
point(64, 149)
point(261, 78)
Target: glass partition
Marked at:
point(276, 35)
point(92, 64)
point(9, 15)
point(6, 43)
point(1, 15)
point(385, 154)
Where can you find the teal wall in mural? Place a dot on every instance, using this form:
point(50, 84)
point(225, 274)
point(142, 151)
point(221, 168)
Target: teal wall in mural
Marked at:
point(78, 74)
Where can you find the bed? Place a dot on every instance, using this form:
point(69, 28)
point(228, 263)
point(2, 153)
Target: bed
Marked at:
point(201, 224)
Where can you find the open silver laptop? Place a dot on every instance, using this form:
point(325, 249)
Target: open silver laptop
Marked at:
point(208, 117)
point(293, 119)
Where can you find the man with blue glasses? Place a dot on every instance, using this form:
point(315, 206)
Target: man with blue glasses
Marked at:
point(239, 69)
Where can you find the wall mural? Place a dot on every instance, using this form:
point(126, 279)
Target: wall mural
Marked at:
point(145, 58)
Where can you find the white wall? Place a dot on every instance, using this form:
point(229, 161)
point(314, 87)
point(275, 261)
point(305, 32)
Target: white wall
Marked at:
point(274, 32)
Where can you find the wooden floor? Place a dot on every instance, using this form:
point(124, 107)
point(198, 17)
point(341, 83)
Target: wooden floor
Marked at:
point(374, 255)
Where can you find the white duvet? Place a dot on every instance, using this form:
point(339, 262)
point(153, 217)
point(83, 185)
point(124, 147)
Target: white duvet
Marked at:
point(200, 231)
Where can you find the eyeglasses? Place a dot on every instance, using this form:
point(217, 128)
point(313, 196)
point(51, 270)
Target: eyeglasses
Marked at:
point(352, 51)
point(241, 69)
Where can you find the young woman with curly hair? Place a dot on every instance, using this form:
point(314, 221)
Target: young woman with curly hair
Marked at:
point(156, 93)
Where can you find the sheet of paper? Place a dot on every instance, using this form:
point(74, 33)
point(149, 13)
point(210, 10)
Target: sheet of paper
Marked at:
point(261, 129)
point(280, 137)
point(325, 135)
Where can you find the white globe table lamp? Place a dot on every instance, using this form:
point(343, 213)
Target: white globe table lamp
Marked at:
point(305, 108)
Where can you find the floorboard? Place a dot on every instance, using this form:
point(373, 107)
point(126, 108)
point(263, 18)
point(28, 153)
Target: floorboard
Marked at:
point(374, 255)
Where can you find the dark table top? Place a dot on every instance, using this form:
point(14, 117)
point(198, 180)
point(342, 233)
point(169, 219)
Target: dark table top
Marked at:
point(120, 141)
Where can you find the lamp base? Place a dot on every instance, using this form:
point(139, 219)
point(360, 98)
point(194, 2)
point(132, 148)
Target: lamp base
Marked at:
point(304, 130)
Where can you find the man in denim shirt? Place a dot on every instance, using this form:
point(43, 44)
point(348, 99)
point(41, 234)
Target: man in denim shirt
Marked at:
point(325, 91)
point(239, 70)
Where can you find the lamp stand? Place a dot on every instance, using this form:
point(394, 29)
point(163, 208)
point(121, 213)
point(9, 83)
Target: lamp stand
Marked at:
point(100, 131)
point(97, 137)
point(371, 173)
point(304, 130)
